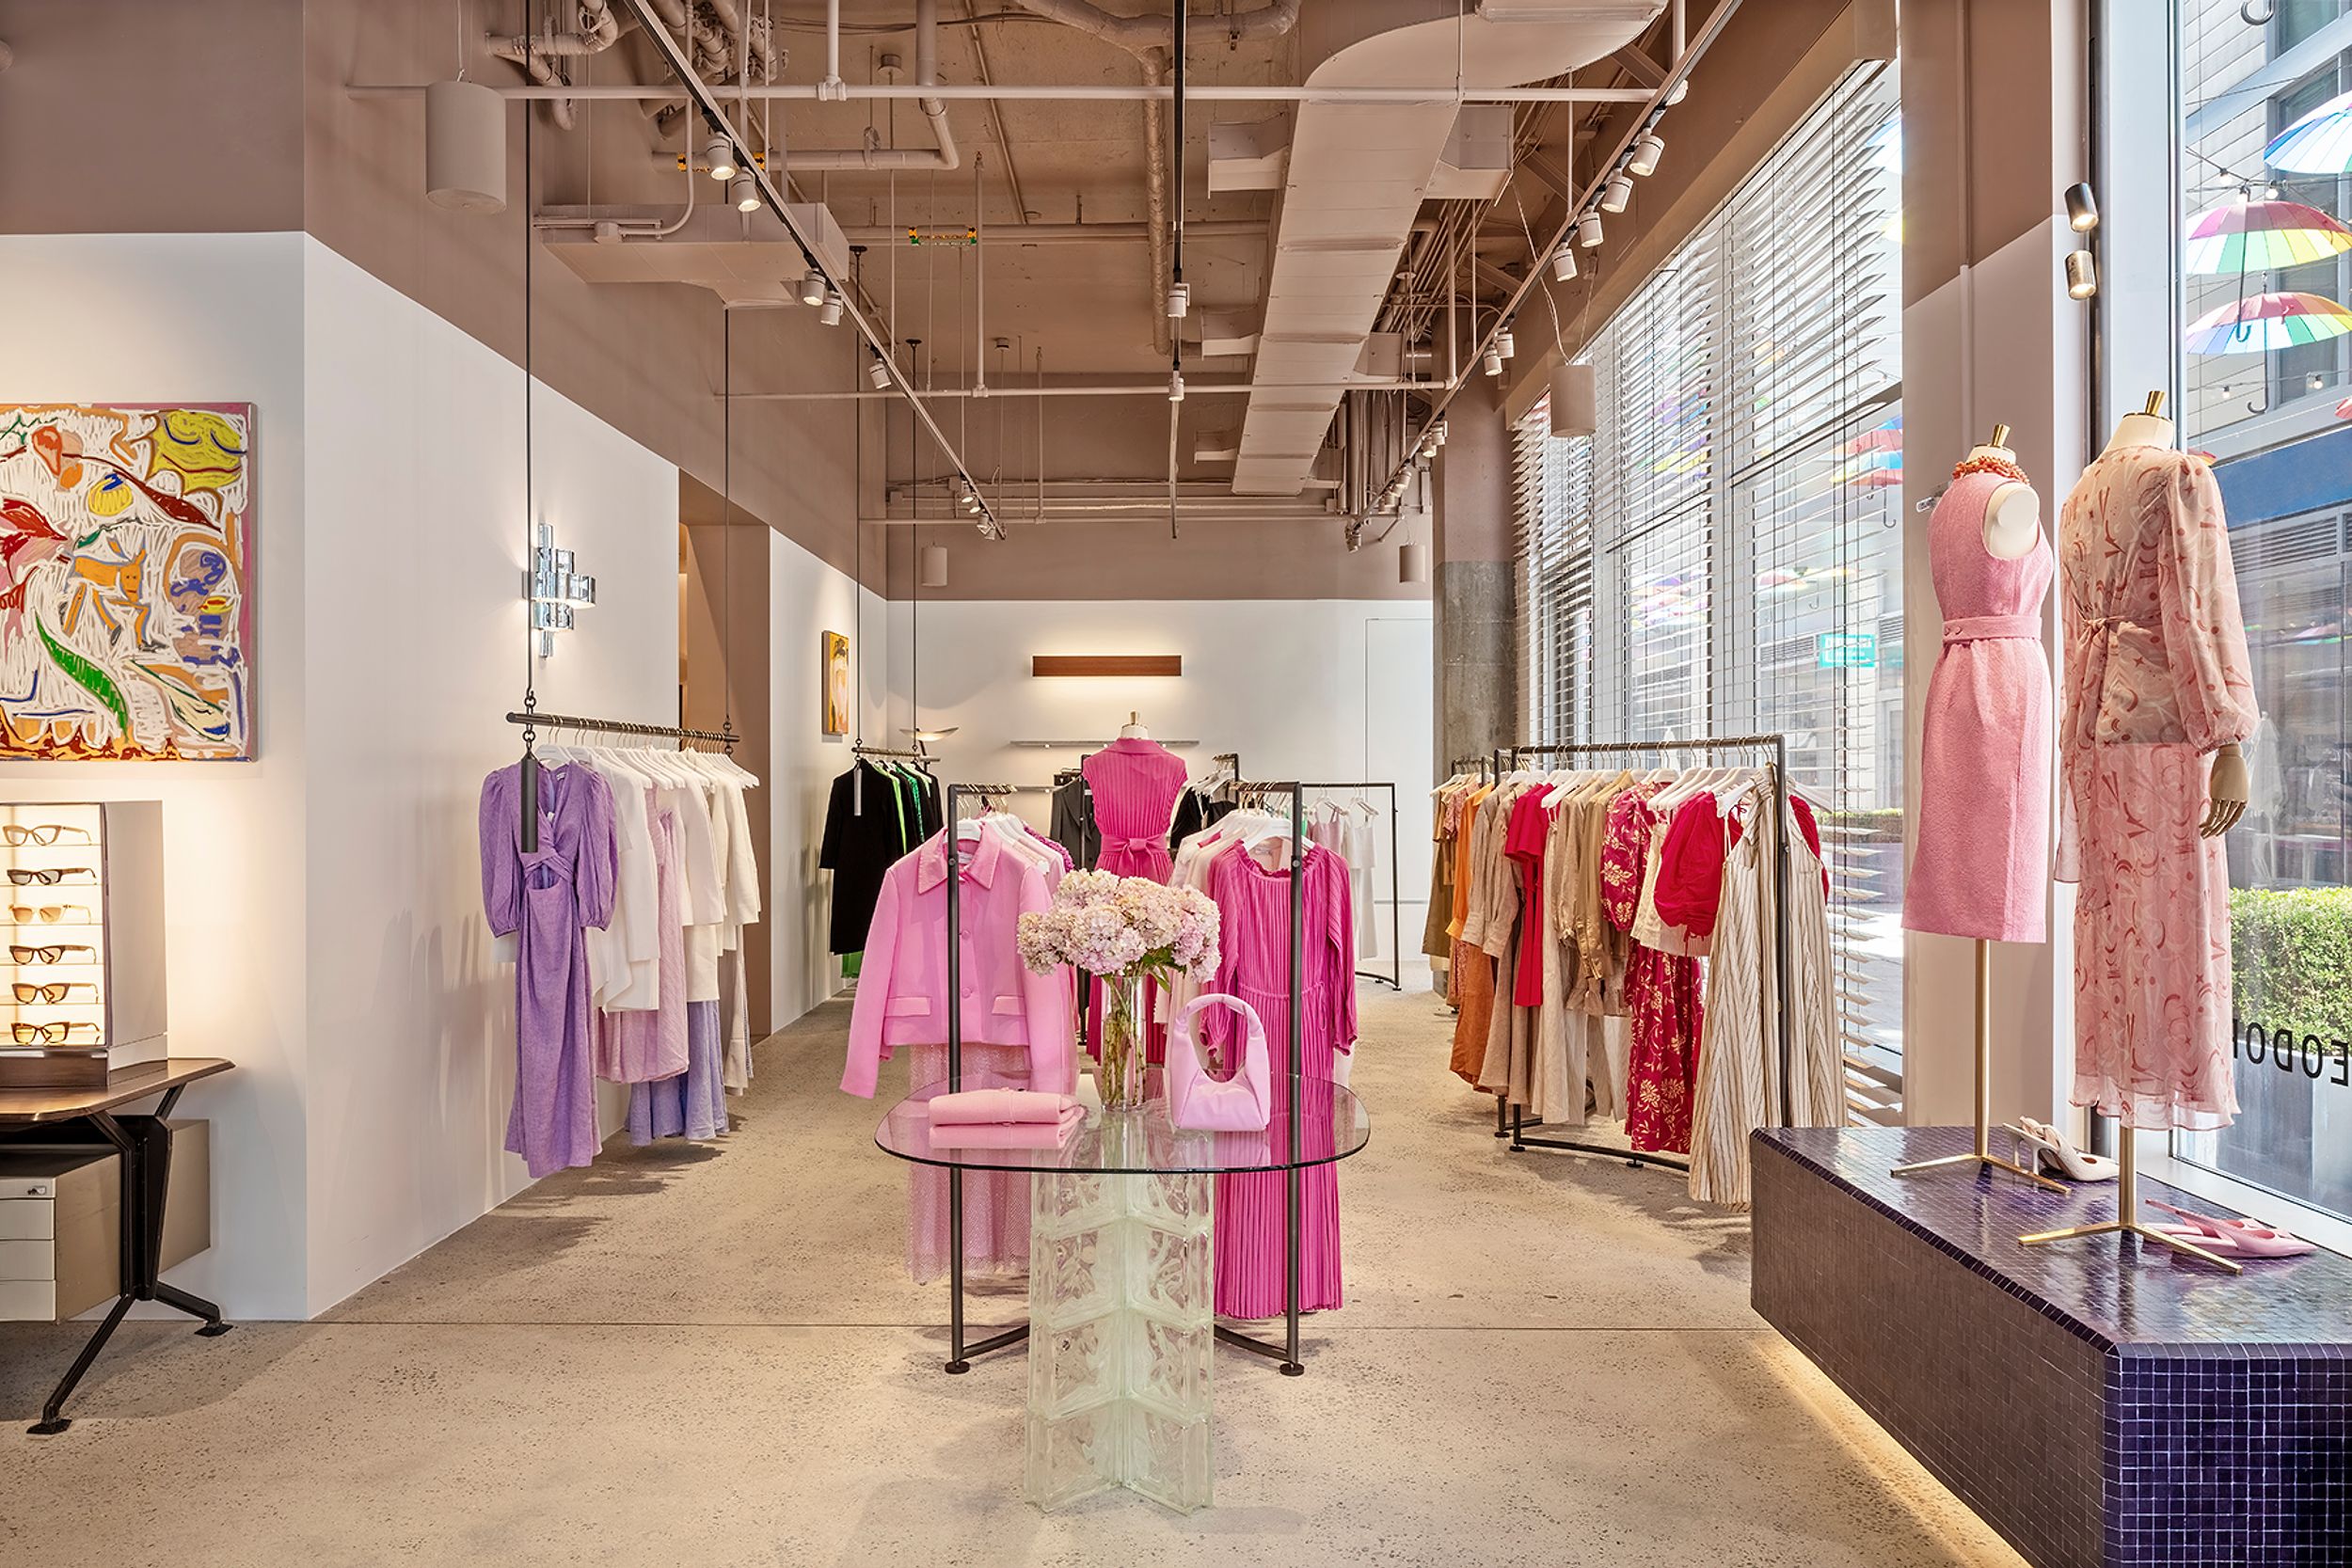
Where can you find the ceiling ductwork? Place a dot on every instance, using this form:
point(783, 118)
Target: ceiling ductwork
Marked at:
point(1357, 175)
point(743, 259)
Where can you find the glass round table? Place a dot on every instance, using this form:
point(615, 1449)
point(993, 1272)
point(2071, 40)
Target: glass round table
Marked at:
point(1122, 1325)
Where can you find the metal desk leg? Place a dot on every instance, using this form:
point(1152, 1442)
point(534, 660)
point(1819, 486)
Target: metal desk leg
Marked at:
point(145, 1148)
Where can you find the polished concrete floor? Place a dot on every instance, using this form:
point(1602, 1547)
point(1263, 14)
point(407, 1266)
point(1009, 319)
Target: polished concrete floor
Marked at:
point(712, 1355)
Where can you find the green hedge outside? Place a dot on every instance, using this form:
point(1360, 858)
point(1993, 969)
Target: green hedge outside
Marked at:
point(2292, 959)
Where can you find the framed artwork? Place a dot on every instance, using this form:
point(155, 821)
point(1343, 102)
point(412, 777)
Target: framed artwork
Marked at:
point(126, 586)
point(835, 666)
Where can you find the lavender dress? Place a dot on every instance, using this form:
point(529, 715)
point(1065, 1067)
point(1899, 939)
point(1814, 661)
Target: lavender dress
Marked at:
point(549, 897)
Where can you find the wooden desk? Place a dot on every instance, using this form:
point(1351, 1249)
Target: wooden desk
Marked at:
point(144, 1143)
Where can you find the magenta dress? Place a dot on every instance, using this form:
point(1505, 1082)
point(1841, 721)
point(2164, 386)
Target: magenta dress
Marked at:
point(1254, 964)
point(545, 897)
point(1982, 868)
point(1135, 785)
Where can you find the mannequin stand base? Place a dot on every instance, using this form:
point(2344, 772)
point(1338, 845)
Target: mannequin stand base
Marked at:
point(1989, 1161)
point(2146, 1233)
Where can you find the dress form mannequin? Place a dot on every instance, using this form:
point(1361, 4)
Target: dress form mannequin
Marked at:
point(2228, 786)
point(2012, 519)
point(1133, 729)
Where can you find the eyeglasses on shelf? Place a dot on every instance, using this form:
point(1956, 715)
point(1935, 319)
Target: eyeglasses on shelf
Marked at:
point(53, 991)
point(51, 953)
point(53, 1033)
point(18, 834)
point(49, 877)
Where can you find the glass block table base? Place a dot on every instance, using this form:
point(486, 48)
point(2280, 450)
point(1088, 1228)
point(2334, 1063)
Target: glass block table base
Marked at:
point(1121, 1336)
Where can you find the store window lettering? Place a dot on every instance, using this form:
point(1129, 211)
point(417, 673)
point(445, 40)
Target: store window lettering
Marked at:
point(2287, 1049)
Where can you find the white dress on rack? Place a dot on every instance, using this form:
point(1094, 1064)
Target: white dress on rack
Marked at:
point(1739, 1074)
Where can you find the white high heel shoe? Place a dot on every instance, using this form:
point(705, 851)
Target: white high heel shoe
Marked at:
point(2051, 1147)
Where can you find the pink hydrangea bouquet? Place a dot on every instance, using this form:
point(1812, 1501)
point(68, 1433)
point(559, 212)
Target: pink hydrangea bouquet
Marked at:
point(1125, 930)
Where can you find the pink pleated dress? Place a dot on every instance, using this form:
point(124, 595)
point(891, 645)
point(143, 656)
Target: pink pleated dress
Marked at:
point(1982, 868)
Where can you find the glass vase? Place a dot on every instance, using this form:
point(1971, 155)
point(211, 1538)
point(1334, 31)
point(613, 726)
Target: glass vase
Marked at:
point(1119, 1070)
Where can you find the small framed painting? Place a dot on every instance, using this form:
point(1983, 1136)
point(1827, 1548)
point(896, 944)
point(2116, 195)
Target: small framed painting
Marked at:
point(834, 670)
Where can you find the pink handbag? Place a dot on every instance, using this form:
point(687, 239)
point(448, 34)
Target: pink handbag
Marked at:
point(1241, 1104)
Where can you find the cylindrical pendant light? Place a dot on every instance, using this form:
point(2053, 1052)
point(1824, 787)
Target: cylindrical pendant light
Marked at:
point(1412, 562)
point(934, 558)
point(1646, 153)
point(2082, 274)
point(1575, 400)
point(1588, 231)
point(1617, 192)
point(465, 146)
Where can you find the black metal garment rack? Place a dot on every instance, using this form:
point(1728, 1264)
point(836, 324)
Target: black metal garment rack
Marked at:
point(959, 1353)
point(1395, 979)
point(531, 718)
point(1509, 759)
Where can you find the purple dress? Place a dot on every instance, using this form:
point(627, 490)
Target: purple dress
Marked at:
point(547, 897)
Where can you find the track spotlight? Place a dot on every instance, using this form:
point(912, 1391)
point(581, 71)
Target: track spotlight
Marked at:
point(813, 286)
point(719, 153)
point(2082, 209)
point(1492, 364)
point(1681, 91)
point(1504, 344)
point(1588, 231)
point(1439, 433)
point(878, 373)
point(2082, 274)
point(1564, 263)
point(744, 191)
point(1175, 386)
point(1647, 149)
point(830, 315)
point(1616, 192)
point(1179, 300)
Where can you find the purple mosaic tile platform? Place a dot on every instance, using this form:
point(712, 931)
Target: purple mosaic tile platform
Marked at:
point(2099, 1406)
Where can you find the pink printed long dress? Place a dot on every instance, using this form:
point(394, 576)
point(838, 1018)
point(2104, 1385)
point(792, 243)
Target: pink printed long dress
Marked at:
point(2157, 675)
point(1982, 868)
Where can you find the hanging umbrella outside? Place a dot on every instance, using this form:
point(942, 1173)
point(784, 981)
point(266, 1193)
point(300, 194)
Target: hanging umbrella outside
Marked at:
point(2263, 236)
point(2263, 324)
point(2319, 143)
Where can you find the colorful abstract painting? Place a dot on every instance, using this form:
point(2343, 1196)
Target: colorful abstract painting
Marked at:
point(126, 551)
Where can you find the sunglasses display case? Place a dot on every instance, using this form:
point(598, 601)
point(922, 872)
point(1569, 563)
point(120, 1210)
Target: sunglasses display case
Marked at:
point(82, 975)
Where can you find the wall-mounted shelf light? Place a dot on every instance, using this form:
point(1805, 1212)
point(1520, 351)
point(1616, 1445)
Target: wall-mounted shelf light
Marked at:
point(1107, 664)
point(554, 590)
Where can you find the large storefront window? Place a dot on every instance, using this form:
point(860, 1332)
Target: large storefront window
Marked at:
point(2263, 359)
point(1724, 556)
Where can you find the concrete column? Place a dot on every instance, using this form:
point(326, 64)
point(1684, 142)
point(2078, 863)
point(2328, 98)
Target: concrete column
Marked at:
point(1473, 581)
point(1994, 131)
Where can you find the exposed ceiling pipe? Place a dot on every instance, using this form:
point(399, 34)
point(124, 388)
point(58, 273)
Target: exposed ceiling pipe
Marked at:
point(1064, 233)
point(935, 109)
point(1069, 92)
point(1139, 389)
point(1150, 39)
point(707, 101)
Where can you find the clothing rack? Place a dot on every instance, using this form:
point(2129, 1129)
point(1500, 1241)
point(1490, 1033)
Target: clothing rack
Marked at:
point(1484, 763)
point(918, 754)
point(1395, 979)
point(530, 718)
point(1286, 1354)
point(1778, 746)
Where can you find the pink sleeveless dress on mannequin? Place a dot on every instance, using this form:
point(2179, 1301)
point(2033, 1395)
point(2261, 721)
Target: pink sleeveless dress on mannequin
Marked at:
point(1982, 868)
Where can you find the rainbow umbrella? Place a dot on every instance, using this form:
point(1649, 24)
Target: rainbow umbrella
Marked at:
point(2263, 322)
point(2344, 409)
point(2260, 236)
point(2319, 143)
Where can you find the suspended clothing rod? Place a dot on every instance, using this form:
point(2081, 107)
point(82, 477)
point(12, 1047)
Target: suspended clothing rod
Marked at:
point(623, 726)
point(1509, 759)
point(918, 754)
point(1395, 979)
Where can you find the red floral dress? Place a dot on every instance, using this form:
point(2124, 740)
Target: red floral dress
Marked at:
point(1661, 991)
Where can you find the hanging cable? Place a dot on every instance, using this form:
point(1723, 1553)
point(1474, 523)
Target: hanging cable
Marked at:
point(529, 776)
point(726, 522)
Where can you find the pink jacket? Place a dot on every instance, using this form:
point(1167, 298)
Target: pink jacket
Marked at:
point(902, 986)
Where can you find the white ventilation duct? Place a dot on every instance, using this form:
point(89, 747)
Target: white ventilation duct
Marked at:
point(1355, 181)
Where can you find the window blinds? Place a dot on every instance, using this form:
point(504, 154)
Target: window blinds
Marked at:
point(1724, 555)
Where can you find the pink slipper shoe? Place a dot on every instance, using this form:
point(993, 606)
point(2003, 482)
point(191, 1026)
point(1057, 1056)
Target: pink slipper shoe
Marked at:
point(2244, 1236)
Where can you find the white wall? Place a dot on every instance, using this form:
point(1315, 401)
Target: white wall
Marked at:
point(323, 901)
point(805, 599)
point(414, 502)
point(210, 318)
point(1303, 688)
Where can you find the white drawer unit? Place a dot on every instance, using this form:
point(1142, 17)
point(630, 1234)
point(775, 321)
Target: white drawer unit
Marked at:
point(82, 974)
point(60, 1231)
